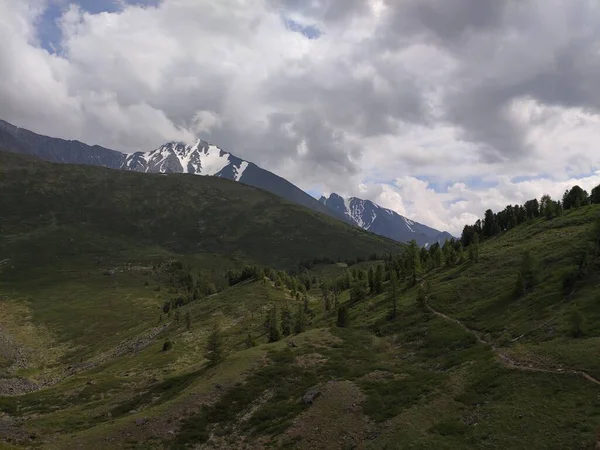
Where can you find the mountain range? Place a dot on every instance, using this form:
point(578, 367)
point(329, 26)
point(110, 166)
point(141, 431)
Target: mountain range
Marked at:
point(385, 222)
point(203, 158)
point(139, 310)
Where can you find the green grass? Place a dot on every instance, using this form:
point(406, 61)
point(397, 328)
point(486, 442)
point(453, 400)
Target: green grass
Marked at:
point(281, 378)
point(424, 382)
point(102, 211)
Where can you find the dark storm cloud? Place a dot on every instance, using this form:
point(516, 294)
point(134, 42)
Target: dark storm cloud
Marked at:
point(573, 79)
point(493, 43)
point(478, 109)
point(451, 20)
point(328, 152)
point(482, 115)
point(357, 103)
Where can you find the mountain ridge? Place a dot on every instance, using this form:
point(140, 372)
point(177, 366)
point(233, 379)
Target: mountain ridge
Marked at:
point(204, 158)
point(383, 221)
point(180, 158)
point(215, 216)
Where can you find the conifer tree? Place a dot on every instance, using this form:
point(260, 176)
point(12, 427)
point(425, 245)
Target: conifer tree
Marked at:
point(336, 297)
point(371, 280)
point(421, 297)
point(325, 292)
point(474, 248)
point(595, 238)
point(287, 319)
point(347, 279)
point(460, 254)
point(393, 295)
point(379, 279)
point(359, 289)
point(519, 289)
point(438, 257)
point(214, 347)
point(300, 322)
point(449, 254)
point(191, 283)
point(413, 262)
point(577, 322)
point(273, 333)
point(527, 276)
point(249, 341)
point(595, 197)
point(342, 318)
point(575, 198)
point(529, 270)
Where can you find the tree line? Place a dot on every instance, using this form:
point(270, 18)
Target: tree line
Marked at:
point(513, 215)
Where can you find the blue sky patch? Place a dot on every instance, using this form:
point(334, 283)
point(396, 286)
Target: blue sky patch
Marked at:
point(522, 178)
point(309, 31)
point(49, 32)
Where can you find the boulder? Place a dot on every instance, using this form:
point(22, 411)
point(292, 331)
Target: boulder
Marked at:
point(309, 396)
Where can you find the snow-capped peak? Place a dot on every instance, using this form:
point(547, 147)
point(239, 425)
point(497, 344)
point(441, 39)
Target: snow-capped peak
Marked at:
point(386, 222)
point(201, 158)
point(362, 212)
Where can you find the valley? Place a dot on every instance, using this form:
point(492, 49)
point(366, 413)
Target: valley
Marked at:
point(172, 311)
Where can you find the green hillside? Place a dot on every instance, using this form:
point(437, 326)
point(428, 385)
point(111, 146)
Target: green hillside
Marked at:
point(91, 290)
point(55, 209)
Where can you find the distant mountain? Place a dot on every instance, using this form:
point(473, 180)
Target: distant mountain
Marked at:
point(383, 221)
point(20, 140)
point(201, 158)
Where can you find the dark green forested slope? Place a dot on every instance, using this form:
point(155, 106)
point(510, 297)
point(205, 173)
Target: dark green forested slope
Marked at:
point(88, 209)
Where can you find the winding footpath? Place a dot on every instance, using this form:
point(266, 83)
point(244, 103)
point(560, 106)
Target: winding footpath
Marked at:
point(506, 360)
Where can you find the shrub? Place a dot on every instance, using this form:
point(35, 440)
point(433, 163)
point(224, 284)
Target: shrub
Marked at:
point(342, 318)
point(577, 322)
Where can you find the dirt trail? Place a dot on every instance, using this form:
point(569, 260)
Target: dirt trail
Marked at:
point(506, 360)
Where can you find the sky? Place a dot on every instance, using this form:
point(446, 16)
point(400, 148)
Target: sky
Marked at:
point(438, 109)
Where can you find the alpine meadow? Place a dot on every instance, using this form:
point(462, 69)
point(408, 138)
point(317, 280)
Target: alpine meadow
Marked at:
point(119, 332)
point(302, 225)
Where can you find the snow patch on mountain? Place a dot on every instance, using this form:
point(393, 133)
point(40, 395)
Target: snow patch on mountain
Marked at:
point(373, 217)
point(201, 158)
point(383, 221)
point(213, 160)
point(239, 171)
point(359, 212)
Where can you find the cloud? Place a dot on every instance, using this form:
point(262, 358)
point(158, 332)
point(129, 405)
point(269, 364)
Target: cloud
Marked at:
point(428, 106)
point(205, 121)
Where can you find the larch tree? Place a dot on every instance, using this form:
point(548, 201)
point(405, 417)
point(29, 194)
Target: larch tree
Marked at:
point(393, 295)
point(379, 279)
point(371, 280)
point(342, 318)
point(273, 333)
point(287, 320)
point(214, 346)
point(300, 320)
point(474, 249)
point(595, 197)
point(413, 262)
